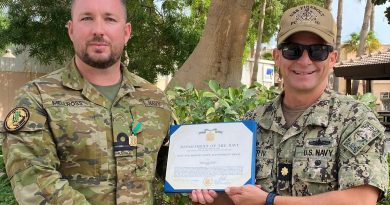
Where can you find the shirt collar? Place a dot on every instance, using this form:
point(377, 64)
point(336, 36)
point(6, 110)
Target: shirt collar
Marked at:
point(317, 114)
point(72, 78)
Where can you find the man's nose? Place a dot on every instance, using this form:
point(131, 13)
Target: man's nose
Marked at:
point(98, 27)
point(305, 59)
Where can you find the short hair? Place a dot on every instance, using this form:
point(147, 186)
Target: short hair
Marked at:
point(124, 5)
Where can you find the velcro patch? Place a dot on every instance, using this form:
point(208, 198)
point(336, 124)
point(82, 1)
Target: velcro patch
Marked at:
point(153, 103)
point(72, 103)
point(361, 137)
point(284, 172)
point(16, 119)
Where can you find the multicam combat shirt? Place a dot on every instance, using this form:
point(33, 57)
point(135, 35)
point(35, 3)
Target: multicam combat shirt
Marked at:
point(74, 148)
point(335, 144)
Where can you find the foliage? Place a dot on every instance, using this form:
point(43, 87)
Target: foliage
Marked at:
point(40, 27)
point(217, 104)
point(368, 99)
point(164, 32)
point(387, 11)
point(273, 14)
point(291, 3)
point(163, 38)
point(4, 24)
point(267, 56)
point(162, 198)
point(352, 44)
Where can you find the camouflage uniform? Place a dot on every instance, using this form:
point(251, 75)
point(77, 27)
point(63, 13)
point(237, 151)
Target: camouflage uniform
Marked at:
point(75, 148)
point(337, 143)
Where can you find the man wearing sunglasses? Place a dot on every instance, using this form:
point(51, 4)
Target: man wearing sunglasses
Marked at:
point(313, 145)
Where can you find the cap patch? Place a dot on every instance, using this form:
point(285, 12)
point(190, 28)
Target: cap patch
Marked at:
point(16, 119)
point(308, 14)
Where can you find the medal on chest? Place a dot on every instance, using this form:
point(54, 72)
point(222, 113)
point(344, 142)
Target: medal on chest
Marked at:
point(136, 128)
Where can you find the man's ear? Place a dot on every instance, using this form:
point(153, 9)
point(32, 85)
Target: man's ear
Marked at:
point(276, 56)
point(127, 32)
point(69, 25)
point(333, 58)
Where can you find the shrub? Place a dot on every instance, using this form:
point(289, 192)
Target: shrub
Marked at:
point(190, 105)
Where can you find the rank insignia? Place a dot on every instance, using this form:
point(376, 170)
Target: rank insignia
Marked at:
point(284, 171)
point(16, 119)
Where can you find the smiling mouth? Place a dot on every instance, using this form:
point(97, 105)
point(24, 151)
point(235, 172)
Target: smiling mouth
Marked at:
point(303, 73)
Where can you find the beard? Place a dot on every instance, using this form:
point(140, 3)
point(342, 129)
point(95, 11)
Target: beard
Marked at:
point(100, 63)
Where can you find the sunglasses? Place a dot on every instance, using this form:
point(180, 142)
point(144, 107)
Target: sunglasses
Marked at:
point(317, 52)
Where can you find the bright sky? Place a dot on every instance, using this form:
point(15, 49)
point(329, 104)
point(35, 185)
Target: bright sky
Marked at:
point(353, 19)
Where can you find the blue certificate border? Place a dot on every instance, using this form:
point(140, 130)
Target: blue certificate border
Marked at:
point(250, 124)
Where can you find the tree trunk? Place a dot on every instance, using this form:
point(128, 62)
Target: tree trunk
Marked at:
point(258, 44)
point(372, 19)
point(338, 40)
point(218, 55)
point(364, 30)
point(328, 4)
point(362, 39)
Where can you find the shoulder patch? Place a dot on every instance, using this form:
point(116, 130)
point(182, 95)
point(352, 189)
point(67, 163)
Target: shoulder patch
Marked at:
point(16, 119)
point(361, 137)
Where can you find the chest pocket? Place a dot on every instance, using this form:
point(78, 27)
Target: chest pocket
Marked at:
point(155, 119)
point(80, 138)
point(314, 167)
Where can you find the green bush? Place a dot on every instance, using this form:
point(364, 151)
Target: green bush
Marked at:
point(190, 105)
point(217, 104)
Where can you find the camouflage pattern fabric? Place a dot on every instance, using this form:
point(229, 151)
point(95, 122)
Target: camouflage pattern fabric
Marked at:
point(75, 148)
point(337, 143)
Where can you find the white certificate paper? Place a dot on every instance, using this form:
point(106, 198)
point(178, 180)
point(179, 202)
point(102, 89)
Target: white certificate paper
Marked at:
point(211, 156)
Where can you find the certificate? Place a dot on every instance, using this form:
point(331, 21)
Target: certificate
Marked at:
point(210, 156)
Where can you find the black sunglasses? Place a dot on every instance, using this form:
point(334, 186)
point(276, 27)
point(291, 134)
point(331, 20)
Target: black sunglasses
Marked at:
point(317, 52)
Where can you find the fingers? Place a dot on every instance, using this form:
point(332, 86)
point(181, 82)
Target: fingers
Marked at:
point(203, 196)
point(213, 194)
point(207, 197)
point(233, 190)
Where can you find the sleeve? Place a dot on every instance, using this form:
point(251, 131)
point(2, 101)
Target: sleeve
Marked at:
point(31, 159)
point(363, 158)
point(162, 157)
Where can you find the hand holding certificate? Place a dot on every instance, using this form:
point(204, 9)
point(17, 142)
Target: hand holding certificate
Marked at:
point(210, 156)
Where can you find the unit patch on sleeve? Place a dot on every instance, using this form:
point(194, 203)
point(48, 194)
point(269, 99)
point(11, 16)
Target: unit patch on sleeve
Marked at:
point(361, 137)
point(16, 119)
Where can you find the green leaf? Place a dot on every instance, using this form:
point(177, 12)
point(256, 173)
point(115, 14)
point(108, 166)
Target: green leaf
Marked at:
point(207, 94)
point(214, 86)
point(223, 103)
point(210, 110)
point(228, 119)
point(230, 111)
point(249, 93)
point(233, 93)
point(368, 98)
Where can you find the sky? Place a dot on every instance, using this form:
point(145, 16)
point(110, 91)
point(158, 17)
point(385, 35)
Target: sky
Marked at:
point(353, 19)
